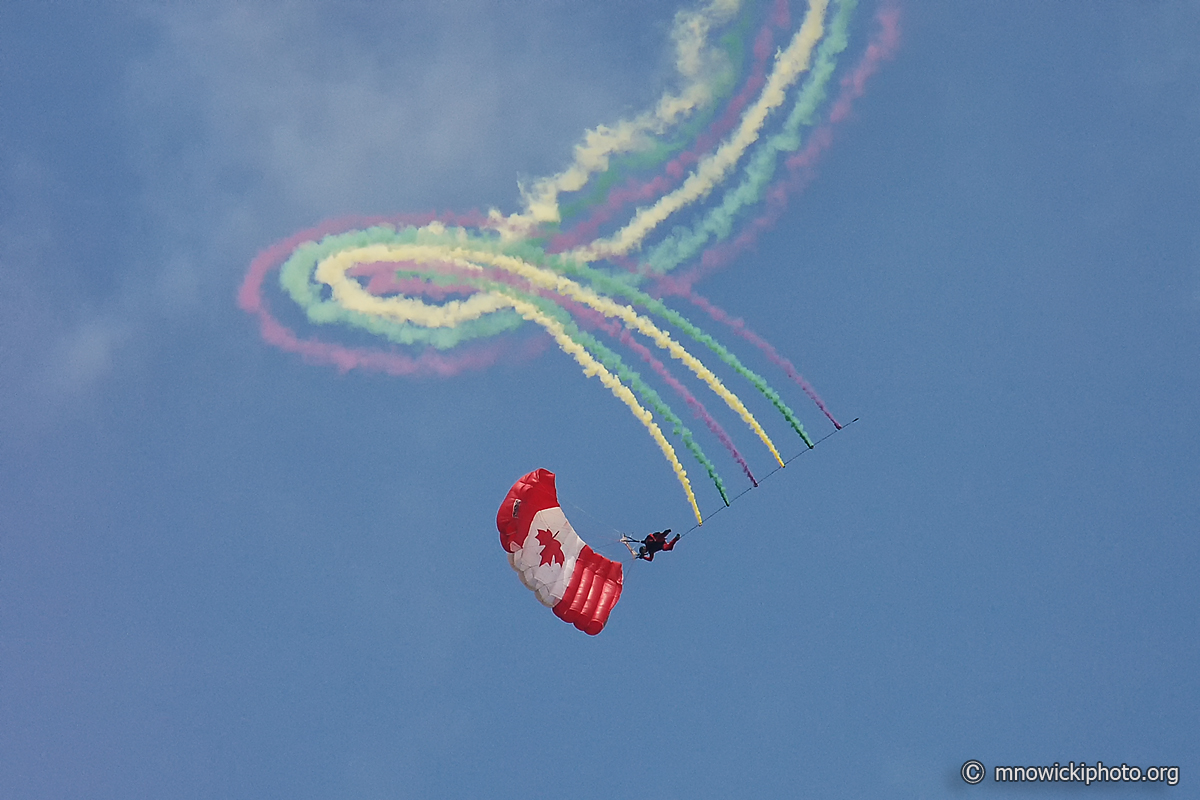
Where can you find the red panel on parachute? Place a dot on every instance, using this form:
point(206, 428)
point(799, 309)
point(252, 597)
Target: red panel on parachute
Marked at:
point(581, 585)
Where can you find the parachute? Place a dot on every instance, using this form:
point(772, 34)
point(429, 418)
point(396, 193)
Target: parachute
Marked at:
point(580, 585)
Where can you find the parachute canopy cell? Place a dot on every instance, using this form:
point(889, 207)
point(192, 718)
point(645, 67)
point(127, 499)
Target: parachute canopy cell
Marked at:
point(580, 585)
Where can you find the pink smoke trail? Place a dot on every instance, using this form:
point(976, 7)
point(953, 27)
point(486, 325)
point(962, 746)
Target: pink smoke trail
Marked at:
point(383, 280)
point(431, 362)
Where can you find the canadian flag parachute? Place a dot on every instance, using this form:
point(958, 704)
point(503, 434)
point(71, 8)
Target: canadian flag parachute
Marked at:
point(581, 585)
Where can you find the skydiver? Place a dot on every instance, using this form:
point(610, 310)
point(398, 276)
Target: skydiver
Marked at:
point(654, 543)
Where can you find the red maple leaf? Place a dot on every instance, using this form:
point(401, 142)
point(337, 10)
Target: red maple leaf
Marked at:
point(551, 549)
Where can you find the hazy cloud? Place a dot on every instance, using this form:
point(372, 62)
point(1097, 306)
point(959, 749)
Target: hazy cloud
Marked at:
point(244, 122)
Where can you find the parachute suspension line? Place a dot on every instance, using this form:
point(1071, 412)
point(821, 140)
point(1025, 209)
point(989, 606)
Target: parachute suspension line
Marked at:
point(593, 518)
point(607, 546)
point(772, 472)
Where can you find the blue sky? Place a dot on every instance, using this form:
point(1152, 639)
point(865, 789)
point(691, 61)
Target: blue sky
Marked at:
point(225, 573)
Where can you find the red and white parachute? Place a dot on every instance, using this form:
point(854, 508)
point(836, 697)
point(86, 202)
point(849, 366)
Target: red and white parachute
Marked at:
point(581, 585)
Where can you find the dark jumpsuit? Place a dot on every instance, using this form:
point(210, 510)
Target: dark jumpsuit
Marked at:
point(654, 543)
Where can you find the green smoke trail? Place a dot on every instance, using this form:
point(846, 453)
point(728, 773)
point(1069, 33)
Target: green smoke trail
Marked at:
point(295, 277)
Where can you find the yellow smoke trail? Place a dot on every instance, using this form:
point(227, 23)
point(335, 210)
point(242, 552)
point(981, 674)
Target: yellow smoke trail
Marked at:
point(696, 61)
point(332, 272)
point(712, 169)
point(353, 296)
point(350, 294)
